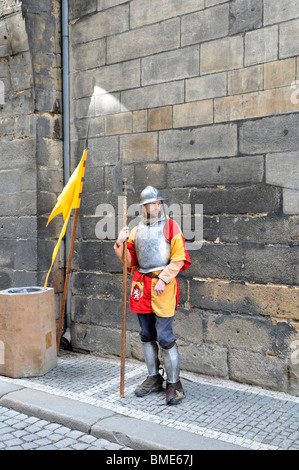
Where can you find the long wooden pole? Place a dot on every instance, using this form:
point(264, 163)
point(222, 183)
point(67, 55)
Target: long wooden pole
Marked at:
point(67, 277)
point(124, 310)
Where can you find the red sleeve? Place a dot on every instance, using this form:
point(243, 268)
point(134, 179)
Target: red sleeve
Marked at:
point(176, 238)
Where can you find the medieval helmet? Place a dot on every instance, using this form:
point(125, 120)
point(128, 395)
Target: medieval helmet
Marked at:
point(150, 194)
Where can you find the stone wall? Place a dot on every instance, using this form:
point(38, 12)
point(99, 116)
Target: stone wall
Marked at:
point(201, 99)
point(31, 173)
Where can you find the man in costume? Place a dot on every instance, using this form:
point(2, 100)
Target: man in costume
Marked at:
point(156, 253)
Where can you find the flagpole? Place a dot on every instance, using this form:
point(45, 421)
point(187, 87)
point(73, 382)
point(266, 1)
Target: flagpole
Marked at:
point(124, 312)
point(67, 277)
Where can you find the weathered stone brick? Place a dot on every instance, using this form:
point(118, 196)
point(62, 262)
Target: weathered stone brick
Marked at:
point(205, 142)
point(169, 66)
point(211, 23)
point(160, 118)
point(277, 12)
point(216, 171)
point(271, 134)
point(204, 359)
point(118, 124)
point(289, 39)
point(246, 80)
point(278, 167)
point(261, 45)
point(151, 174)
point(280, 73)
point(254, 368)
point(106, 79)
point(239, 200)
point(141, 42)
point(144, 12)
point(9, 181)
point(102, 24)
point(246, 262)
point(104, 4)
point(15, 25)
point(222, 54)
point(209, 86)
point(246, 298)
point(153, 96)
point(236, 332)
point(139, 147)
point(79, 8)
point(245, 15)
point(89, 55)
point(290, 201)
point(193, 114)
point(140, 121)
point(259, 228)
point(103, 151)
point(251, 105)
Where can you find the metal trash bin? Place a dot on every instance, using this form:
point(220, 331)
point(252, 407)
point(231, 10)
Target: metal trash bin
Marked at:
point(27, 332)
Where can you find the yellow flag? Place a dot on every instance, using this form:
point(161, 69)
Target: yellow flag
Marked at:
point(69, 199)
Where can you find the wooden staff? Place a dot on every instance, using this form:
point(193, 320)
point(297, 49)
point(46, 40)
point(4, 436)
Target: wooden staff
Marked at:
point(124, 312)
point(67, 277)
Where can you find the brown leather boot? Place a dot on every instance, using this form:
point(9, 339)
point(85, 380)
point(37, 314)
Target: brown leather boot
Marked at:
point(174, 393)
point(153, 383)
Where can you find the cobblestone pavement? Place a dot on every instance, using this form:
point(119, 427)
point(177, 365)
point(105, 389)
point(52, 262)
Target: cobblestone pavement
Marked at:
point(21, 432)
point(234, 413)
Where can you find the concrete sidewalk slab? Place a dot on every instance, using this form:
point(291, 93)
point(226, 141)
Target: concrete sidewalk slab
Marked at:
point(43, 405)
point(140, 435)
point(6, 388)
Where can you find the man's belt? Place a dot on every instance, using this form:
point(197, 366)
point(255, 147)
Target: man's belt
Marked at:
point(152, 275)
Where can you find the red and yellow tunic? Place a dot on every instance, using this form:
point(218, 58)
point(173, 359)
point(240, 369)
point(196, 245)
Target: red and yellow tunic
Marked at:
point(142, 296)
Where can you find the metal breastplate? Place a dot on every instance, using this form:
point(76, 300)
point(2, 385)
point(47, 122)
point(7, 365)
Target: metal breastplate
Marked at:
point(152, 248)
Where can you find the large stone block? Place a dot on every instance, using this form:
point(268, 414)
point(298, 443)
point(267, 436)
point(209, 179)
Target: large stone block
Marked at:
point(202, 26)
point(277, 12)
point(239, 200)
point(290, 201)
point(152, 96)
point(160, 118)
point(222, 54)
point(209, 86)
point(150, 174)
point(144, 41)
point(278, 166)
point(244, 298)
point(207, 359)
point(104, 23)
point(259, 228)
point(169, 66)
point(217, 171)
point(280, 73)
point(258, 369)
point(289, 39)
point(79, 8)
point(97, 82)
point(144, 12)
point(139, 147)
point(89, 55)
point(19, 153)
point(271, 134)
point(253, 105)
point(193, 114)
point(239, 332)
point(261, 46)
point(246, 80)
point(204, 142)
point(245, 15)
